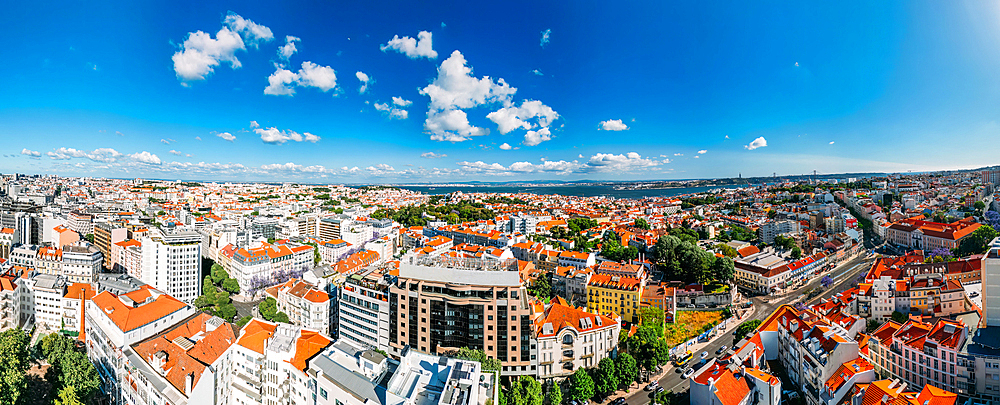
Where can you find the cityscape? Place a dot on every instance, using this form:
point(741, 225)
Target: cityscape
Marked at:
point(438, 204)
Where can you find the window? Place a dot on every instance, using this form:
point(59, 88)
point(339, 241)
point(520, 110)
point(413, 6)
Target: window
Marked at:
point(322, 393)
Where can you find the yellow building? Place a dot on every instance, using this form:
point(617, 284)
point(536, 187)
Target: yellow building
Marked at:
point(613, 295)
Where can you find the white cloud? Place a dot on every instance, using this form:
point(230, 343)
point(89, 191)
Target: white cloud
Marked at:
point(533, 138)
point(254, 124)
point(279, 83)
point(727, 136)
point(538, 72)
point(102, 155)
point(252, 32)
point(831, 142)
point(510, 118)
point(310, 75)
point(401, 101)
point(756, 143)
point(167, 141)
point(174, 152)
point(119, 133)
point(200, 53)
point(380, 169)
point(612, 125)
point(198, 138)
point(321, 77)
point(393, 112)
point(364, 79)
point(451, 126)
point(412, 48)
point(432, 155)
point(31, 153)
point(227, 136)
point(703, 151)
point(545, 37)
point(678, 154)
point(697, 157)
point(288, 49)
point(505, 146)
point(454, 89)
point(625, 162)
point(145, 157)
point(274, 135)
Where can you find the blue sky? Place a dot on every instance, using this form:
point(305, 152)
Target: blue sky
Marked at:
point(497, 91)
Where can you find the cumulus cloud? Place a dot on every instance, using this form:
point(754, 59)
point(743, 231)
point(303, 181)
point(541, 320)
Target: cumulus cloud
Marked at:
point(412, 48)
point(365, 80)
point(227, 136)
point(200, 53)
point(703, 151)
point(31, 153)
point(288, 49)
point(145, 157)
point(756, 143)
point(533, 138)
point(399, 101)
point(432, 155)
point(505, 146)
point(275, 136)
point(252, 32)
point(831, 142)
point(175, 152)
point(102, 155)
point(612, 125)
point(510, 118)
point(254, 124)
point(454, 89)
point(545, 37)
point(393, 112)
point(281, 81)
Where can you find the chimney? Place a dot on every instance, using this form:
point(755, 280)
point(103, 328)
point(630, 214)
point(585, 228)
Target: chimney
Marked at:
point(188, 384)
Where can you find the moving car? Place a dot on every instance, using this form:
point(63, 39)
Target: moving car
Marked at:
point(651, 386)
point(722, 349)
point(688, 373)
point(704, 354)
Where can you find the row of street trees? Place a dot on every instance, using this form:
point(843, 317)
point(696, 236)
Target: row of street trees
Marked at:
point(683, 260)
point(583, 385)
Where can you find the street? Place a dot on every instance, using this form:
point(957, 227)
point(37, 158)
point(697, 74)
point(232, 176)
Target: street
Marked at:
point(843, 278)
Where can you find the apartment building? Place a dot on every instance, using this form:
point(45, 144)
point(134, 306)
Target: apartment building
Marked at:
point(305, 305)
point(269, 364)
point(571, 283)
point(81, 222)
point(919, 353)
point(115, 322)
point(439, 309)
point(171, 262)
point(770, 229)
point(81, 261)
point(330, 251)
point(106, 235)
point(262, 263)
point(614, 296)
point(569, 338)
point(916, 233)
point(577, 259)
point(186, 363)
point(364, 311)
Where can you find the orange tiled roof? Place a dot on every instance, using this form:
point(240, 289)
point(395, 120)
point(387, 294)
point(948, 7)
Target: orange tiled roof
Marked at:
point(307, 346)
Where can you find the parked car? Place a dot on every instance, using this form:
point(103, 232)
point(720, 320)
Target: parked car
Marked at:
point(618, 401)
point(700, 306)
point(651, 386)
point(660, 389)
point(722, 349)
point(688, 373)
point(704, 354)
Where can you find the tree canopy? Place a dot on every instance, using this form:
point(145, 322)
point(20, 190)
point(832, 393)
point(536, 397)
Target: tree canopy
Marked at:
point(745, 329)
point(976, 242)
point(413, 215)
point(581, 386)
point(13, 364)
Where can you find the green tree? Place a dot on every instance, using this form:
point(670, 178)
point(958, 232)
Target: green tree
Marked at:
point(723, 269)
point(796, 253)
point(899, 317)
point(872, 325)
point(281, 317)
point(648, 347)
point(268, 308)
point(13, 365)
point(542, 287)
point(726, 250)
point(526, 390)
point(219, 274)
point(607, 377)
point(78, 372)
point(976, 242)
point(627, 369)
point(67, 396)
point(665, 398)
point(226, 312)
point(979, 206)
point(231, 285)
point(641, 223)
point(745, 329)
point(554, 396)
point(581, 386)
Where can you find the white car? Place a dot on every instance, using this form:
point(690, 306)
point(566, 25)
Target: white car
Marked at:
point(688, 372)
point(651, 386)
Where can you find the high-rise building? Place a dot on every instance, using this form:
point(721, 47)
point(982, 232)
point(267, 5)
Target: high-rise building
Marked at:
point(364, 311)
point(991, 284)
point(107, 234)
point(436, 309)
point(171, 262)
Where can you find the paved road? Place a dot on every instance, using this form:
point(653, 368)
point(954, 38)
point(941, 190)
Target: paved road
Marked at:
point(843, 276)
